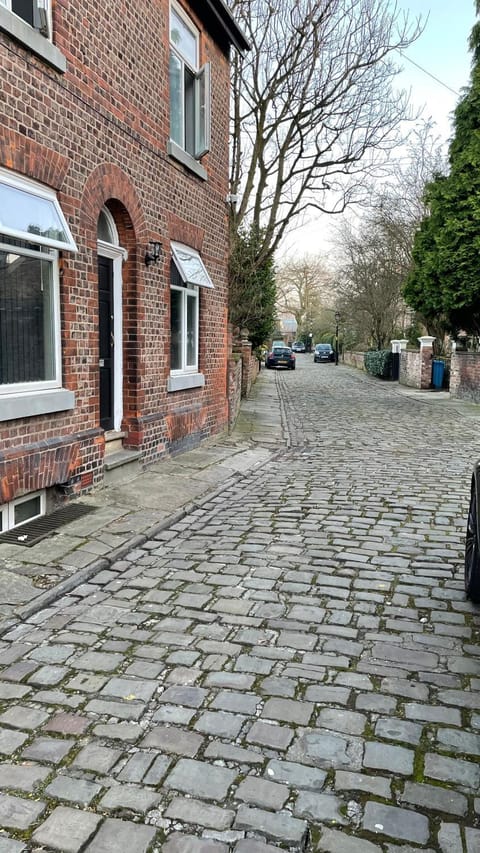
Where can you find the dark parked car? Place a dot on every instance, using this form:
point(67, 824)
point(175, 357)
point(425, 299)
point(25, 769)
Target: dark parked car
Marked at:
point(298, 346)
point(280, 357)
point(472, 540)
point(323, 352)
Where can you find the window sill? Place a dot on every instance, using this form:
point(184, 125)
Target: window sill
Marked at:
point(186, 160)
point(185, 381)
point(35, 403)
point(32, 40)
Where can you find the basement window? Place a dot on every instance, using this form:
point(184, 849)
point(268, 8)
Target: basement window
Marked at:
point(21, 510)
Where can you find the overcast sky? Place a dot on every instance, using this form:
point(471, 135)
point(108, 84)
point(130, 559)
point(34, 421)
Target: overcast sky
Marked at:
point(442, 51)
point(445, 62)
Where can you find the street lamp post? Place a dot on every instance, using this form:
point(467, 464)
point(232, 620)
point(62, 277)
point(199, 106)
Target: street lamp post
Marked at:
point(337, 320)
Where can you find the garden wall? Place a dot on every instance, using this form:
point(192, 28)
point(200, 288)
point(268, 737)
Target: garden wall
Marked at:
point(465, 376)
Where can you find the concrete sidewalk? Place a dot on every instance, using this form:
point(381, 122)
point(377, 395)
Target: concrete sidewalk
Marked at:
point(125, 515)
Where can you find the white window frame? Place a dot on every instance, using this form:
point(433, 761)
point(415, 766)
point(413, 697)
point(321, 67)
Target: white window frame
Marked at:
point(202, 93)
point(7, 511)
point(51, 257)
point(24, 399)
point(42, 14)
point(193, 273)
point(24, 185)
point(32, 39)
point(183, 256)
point(187, 292)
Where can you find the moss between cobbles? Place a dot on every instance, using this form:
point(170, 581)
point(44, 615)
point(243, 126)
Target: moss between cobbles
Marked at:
point(419, 763)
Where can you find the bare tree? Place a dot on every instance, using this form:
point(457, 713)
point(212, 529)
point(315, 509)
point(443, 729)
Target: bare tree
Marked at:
point(375, 258)
point(313, 104)
point(369, 284)
point(399, 201)
point(303, 289)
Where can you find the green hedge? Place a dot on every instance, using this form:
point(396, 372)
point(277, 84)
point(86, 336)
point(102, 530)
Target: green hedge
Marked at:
point(379, 363)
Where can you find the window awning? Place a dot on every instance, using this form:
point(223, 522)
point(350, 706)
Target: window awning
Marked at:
point(30, 212)
point(190, 265)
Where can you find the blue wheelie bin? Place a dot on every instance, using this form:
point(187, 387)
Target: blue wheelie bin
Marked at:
point(438, 370)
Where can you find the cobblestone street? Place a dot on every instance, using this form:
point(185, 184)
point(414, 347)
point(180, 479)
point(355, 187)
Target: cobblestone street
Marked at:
point(291, 666)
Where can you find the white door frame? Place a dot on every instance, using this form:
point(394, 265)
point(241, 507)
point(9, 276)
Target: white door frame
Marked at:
point(118, 256)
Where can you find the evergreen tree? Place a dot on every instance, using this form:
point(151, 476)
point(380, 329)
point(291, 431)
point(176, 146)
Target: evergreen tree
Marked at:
point(252, 286)
point(445, 280)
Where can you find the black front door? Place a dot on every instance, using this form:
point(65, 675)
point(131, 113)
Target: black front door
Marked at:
point(106, 341)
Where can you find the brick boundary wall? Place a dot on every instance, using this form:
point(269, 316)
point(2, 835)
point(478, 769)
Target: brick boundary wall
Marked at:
point(415, 367)
point(250, 368)
point(354, 359)
point(234, 389)
point(411, 369)
point(465, 376)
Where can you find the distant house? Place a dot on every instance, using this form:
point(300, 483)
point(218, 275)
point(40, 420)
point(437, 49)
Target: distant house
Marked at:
point(113, 238)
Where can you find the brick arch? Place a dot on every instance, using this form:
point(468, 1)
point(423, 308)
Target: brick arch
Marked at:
point(32, 159)
point(108, 186)
point(108, 183)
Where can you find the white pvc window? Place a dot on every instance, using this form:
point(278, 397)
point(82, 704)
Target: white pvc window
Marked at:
point(190, 265)
point(189, 88)
point(183, 329)
point(31, 212)
point(22, 510)
point(36, 13)
point(32, 226)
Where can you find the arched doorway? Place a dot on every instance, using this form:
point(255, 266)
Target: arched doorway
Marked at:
point(110, 331)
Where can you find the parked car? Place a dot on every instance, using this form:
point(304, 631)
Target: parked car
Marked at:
point(323, 352)
point(298, 346)
point(280, 357)
point(472, 539)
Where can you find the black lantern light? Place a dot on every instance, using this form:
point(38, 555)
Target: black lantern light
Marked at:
point(152, 256)
point(337, 320)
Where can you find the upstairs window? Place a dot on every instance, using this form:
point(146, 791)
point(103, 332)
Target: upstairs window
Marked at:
point(189, 88)
point(33, 12)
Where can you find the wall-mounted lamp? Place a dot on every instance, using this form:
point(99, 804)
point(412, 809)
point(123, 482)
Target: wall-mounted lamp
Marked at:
point(152, 256)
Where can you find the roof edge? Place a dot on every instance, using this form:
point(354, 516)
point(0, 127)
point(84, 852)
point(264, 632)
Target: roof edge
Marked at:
point(228, 24)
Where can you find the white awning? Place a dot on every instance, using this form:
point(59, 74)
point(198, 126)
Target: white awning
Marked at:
point(31, 212)
point(190, 265)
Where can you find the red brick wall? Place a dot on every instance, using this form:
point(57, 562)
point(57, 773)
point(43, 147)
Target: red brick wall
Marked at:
point(234, 388)
point(465, 376)
point(411, 369)
point(98, 135)
point(354, 359)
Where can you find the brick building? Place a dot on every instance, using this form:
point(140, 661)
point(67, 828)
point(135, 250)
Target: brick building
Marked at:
point(113, 238)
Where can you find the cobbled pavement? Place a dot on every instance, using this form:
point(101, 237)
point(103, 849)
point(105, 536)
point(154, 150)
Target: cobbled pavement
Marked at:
point(292, 666)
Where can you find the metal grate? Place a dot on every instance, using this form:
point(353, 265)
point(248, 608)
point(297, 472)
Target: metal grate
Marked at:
point(33, 531)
